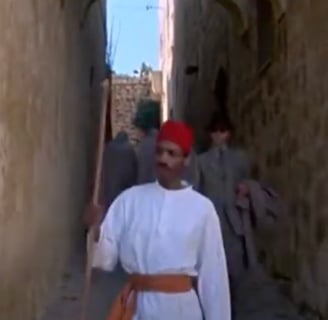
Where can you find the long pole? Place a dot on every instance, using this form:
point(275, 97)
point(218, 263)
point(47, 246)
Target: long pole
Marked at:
point(95, 196)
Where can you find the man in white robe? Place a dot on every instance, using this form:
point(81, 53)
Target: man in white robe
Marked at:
point(164, 233)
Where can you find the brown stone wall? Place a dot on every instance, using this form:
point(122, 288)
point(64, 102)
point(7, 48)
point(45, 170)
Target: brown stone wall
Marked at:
point(126, 92)
point(281, 113)
point(48, 107)
point(200, 41)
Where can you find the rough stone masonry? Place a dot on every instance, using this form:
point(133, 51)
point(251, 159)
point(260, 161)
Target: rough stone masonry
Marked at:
point(126, 92)
point(50, 71)
point(274, 77)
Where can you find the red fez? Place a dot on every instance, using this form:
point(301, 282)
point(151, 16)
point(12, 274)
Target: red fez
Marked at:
point(178, 133)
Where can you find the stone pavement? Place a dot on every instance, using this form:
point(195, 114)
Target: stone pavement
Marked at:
point(66, 302)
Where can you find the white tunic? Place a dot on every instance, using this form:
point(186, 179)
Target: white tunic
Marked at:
point(153, 230)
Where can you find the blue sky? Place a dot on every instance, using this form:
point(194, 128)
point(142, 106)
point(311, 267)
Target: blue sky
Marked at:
point(135, 33)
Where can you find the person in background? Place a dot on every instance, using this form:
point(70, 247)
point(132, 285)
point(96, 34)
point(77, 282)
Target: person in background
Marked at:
point(222, 169)
point(191, 173)
point(146, 122)
point(119, 168)
point(165, 233)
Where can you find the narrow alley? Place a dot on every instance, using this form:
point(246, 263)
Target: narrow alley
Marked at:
point(248, 80)
point(65, 304)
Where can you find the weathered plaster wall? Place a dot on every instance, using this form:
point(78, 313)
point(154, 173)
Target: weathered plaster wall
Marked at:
point(281, 115)
point(48, 108)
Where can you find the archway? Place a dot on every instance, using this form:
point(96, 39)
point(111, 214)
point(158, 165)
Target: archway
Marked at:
point(279, 8)
point(238, 15)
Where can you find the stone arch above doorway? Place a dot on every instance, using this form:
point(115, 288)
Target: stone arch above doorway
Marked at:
point(279, 8)
point(238, 14)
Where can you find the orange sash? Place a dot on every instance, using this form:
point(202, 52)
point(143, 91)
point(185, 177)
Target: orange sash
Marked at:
point(124, 306)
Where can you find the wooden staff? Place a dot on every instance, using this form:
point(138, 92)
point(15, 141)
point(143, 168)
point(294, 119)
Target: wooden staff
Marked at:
point(95, 197)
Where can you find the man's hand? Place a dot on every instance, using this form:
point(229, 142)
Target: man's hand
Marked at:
point(93, 215)
point(242, 190)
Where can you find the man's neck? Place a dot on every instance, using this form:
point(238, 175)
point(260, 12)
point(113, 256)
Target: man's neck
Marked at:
point(171, 185)
point(220, 146)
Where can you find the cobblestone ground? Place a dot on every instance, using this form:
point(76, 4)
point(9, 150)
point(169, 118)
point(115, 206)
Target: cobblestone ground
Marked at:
point(66, 302)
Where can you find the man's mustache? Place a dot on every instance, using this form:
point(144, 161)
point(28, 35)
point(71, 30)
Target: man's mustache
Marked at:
point(163, 165)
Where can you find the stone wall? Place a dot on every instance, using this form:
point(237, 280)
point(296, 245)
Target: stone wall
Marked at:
point(195, 46)
point(281, 113)
point(126, 92)
point(50, 72)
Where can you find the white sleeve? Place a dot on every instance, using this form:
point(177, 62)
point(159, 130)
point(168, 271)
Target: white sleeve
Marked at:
point(106, 250)
point(213, 283)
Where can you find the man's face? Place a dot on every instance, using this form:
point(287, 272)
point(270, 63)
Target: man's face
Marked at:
point(220, 137)
point(170, 161)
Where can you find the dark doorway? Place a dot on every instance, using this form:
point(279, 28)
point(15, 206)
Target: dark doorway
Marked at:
point(221, 90)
